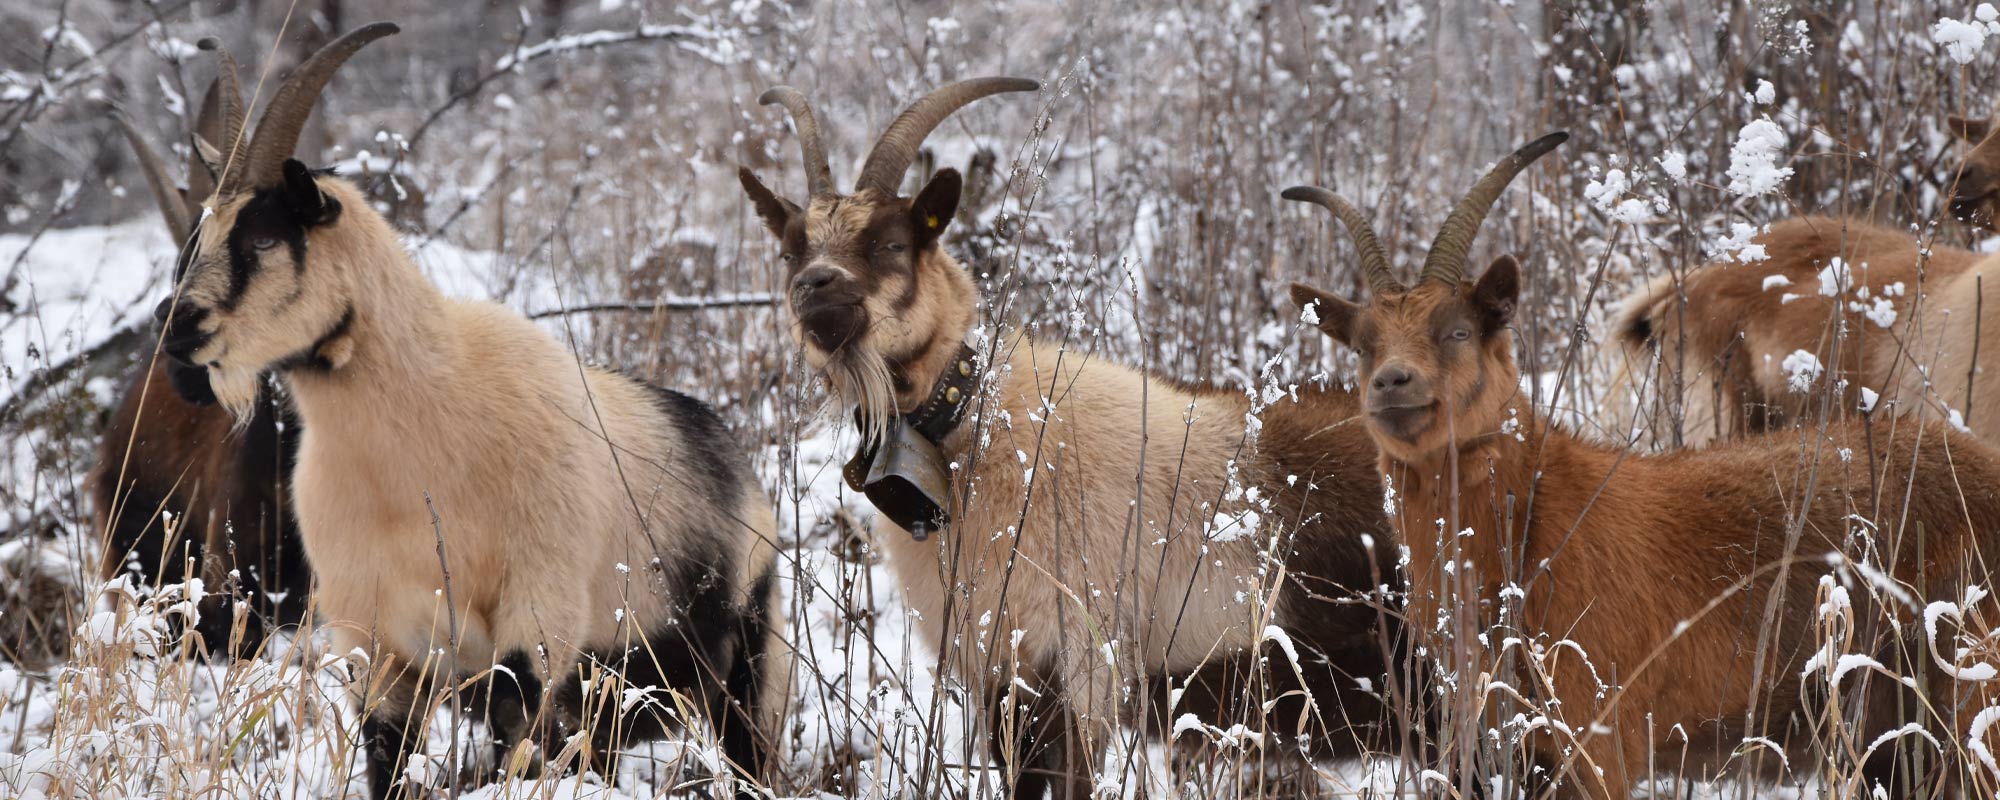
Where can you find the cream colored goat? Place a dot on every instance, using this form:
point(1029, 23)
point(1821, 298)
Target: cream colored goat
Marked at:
point(474, 499)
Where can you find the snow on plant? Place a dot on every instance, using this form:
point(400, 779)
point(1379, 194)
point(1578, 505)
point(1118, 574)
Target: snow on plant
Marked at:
point(1753, 161)
point(1835, 277)
point(1738, 247)
point(1954, 666)
point(1605, 194)
point(1963, 39)
point(1801, 369)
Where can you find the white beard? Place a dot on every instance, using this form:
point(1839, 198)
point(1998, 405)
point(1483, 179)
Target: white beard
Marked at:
point(861, 380)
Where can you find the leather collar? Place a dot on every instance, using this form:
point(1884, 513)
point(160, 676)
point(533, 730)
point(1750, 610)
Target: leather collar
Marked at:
point(941, 412)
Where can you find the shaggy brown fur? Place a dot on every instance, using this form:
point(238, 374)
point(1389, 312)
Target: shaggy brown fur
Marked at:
point(1083, 552)
point(1722, 337)
point(175, 480)
point(1624, 554)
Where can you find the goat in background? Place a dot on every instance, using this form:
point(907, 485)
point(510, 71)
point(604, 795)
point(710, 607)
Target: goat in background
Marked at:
point(1665, 600)
point(178, 479)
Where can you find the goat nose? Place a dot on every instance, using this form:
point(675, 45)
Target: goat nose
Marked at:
point(1391, 377)
point(161, 311)
point(814, 279)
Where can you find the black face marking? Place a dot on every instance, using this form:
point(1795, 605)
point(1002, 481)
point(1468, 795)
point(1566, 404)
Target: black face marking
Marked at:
point(310, 358)
point(710, 443)
point(267, 219)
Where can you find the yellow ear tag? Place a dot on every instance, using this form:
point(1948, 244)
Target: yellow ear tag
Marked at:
point(930, 221)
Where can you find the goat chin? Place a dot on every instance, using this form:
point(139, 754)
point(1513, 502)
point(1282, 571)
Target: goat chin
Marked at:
point(861, 381)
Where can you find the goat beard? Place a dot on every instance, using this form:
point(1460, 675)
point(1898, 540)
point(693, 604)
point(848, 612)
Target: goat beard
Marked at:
point(236, 390)
point(861, 379)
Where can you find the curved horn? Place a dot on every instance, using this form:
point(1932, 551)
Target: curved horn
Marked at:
point(285, 118)
point(165, 193)
point(819, 177)
point(883, 171)
point(1446, 260)
point(222, 116)
point(208, 129)
point(1374, 260)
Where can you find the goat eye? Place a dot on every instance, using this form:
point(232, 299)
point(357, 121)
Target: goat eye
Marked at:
point(1461, 335)
point(264, 242)
point(895, 247)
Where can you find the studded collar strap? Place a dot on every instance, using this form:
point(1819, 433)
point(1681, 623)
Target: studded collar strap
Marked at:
point(941, 412)
point(904, 474)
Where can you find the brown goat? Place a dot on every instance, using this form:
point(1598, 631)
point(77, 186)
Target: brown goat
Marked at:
point(1975, 191)
point(177, 479)
point(1877, 309)
point(1660, 570)
point(1079, 555)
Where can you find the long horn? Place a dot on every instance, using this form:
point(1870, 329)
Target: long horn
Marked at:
point(1374, 260)
point(883, 171)
point(208, 132)
point(222, 115)
point(285, 118)
point(165, 194)
point(819, 177)
point(1446, 260)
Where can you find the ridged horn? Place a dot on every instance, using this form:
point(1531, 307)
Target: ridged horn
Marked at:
point(208, 132)
point(1374, 260)
point(220, 124)
point(165, 194)
point(285, 118)
point(893, 153)
point(1446, 260)
point(819, 176)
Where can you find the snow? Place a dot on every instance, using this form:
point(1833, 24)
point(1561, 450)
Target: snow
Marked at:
point(81, 284)
point(1675, 164)
point(1961, 40)
point(1835, 277)
point(1801, 368)
point(1753, 161)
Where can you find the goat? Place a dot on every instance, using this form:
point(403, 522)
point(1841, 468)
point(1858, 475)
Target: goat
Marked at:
point(1887, 317)
point(469, 492)
point(1076, 522)
point(1662, 569)
point(1975, 190)
point(1722, 332)
point(174, 475)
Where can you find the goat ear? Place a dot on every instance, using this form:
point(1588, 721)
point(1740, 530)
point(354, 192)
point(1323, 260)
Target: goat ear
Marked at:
point(1971, 130)
point(775, 211)
point(1496, 293)
point(302, 194)
point(1334, 316)
point(210, 155)
point(932, 210)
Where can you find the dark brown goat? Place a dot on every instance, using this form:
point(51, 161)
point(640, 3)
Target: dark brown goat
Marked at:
point(176, 480)
point(1661, 570)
